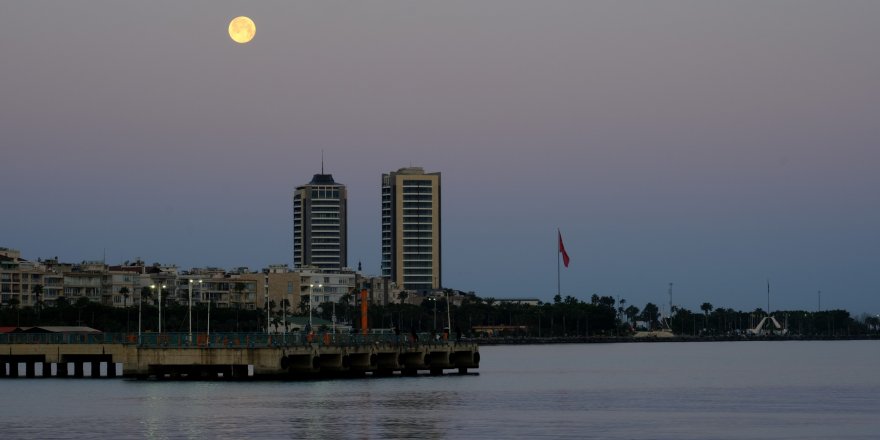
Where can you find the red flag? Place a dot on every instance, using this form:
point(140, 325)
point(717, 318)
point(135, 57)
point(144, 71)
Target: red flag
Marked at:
point(562, 250)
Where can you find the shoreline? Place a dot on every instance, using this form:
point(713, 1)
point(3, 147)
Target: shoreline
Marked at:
point(629, 339)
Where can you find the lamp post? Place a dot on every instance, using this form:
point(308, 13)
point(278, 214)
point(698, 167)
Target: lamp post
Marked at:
point(284, 303)
point(311, 288)
point(266, 304)
point(153, 286)
point(210, 300)
point(434, 300)
point(140, 309)
point(311, 300)
point(448, 315)
point(191, 282)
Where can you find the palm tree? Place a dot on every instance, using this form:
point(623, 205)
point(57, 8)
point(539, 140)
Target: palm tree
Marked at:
point(146, 293)
point(631, 313)
point(125, 294)
point(650, 314)
point(706, 308)
point(13, 304)
point(37, 290)
point(240, 288)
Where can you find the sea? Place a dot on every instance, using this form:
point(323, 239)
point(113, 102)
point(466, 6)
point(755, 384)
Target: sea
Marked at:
point(670, 390)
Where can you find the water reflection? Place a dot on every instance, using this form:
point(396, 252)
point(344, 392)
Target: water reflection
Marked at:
point(705, 390)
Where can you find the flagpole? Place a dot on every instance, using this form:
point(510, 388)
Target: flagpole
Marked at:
point(558, 289)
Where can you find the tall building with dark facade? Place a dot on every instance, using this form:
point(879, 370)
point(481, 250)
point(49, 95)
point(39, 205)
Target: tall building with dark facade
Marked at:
point(320, 230)
point(411, 229)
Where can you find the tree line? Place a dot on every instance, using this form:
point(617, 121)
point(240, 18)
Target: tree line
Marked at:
point(563, 317)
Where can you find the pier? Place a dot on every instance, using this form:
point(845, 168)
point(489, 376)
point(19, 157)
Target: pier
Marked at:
point(237, 356)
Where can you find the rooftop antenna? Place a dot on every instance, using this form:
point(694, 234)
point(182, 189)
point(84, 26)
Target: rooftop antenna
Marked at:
point(322, 161)
point(768, 296)
point(670, 299)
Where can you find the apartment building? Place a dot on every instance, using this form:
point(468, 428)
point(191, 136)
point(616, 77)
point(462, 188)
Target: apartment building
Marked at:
point(320, 231)
point(411, 232)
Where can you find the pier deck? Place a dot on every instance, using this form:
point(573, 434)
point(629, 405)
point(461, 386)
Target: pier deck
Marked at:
point(230, 356)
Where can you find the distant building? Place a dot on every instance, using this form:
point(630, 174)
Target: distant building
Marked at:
point(85, 280)
point(380, 290)
point(129, 284)
point(326, 285)
point(277, 285)
point(411, 233)
point(320, 236)
point(524, 301)
point(18, 278)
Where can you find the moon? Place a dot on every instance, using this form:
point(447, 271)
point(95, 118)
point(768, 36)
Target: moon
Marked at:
point(242, 29)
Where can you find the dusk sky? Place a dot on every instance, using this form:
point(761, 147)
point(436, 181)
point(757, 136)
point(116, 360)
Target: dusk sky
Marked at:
point(712, 144)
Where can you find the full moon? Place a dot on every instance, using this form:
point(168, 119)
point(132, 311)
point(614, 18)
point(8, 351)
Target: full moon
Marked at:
point(242, 29)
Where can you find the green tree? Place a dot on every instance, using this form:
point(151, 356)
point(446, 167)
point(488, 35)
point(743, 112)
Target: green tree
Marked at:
point(37, 291)
point(125, 294)
point(13, 304)
point(650, 314)
point(240, 288)
point(632, 312)
point(706, 308)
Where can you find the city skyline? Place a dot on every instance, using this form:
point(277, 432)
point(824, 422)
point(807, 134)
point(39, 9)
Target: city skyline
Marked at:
point(709, 145)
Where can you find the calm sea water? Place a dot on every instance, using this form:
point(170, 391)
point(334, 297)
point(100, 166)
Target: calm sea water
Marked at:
point(726, 390)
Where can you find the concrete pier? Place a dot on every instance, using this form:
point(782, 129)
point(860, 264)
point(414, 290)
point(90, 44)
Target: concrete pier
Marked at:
point(309, 360)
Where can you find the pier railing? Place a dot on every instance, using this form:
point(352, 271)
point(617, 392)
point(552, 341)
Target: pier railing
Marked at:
point(226, 340)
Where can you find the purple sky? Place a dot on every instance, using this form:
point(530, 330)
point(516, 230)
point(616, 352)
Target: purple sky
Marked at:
point(709, 144)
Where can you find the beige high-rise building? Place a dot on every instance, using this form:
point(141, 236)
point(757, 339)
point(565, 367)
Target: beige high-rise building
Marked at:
point(411, 252)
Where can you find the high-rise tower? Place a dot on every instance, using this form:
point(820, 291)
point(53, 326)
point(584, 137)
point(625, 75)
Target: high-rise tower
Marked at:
point(411, 228)
point(319, 224)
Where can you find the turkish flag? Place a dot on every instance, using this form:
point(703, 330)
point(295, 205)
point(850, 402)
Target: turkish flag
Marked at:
point(562, 250)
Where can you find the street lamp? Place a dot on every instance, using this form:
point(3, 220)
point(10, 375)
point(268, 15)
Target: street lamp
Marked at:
point(448, 316)
point(434, 300)
point(153, 286)
point(140, 309)
point(266, 304)
point(284, 303)
point(210, 300)
point(191, 282)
